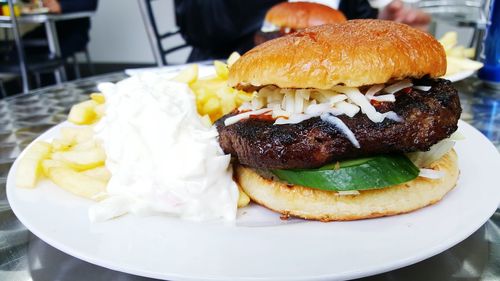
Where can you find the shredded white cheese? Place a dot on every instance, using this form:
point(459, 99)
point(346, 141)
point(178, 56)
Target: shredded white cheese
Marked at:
point(422, 88)
point(336, 99)
point(394, 88)
point(317, 109)
point(335, 121)
point(393, 116)
point(293, 119)
point(291, 106)
point(347, 108)
point(245, 115)
point(356, 97)
point(384, 98)
point(430, 174)
point(374, 89)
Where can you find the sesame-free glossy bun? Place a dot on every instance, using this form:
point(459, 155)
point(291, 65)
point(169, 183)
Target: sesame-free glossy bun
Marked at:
point(315, 204)
point(298, 15)
point(353, 53)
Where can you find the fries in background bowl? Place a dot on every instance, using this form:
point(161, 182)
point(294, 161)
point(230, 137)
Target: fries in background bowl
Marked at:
point(459, 58)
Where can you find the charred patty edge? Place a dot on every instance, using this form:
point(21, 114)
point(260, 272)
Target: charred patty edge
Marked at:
point(428, 117)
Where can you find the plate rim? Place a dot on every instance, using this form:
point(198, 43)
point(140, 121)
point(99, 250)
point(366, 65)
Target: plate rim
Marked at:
point(459, 76)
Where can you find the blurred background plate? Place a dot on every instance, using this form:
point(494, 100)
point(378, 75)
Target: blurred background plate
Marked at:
point(35, 11)
point(203, 70)
point(459, 75)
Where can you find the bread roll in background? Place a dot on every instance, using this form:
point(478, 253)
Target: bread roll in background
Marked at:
point(298, 15)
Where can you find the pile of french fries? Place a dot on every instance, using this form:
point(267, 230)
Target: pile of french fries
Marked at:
point(458, 57)
point(75, 161)
point(214, 98)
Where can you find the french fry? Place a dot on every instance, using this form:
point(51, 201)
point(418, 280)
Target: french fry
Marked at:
point(78, 183)
point(457, 51)
point(187, 75)
point(242, 97)
point(70, 136)
point(213, 96)
point(77, 134)
point(211, 107)
point(233, 58)
point(243, 199)
point(449, 40)
point(61, 144)
point(98, 98)
point(83, 113)
point(99, 111)
point(469, 52)
point(99, 173)
point(466, 63)
point(47, 164)
point(29, 168)
point(456, 65)
point(81, 160)
point(221, 69)
point(86, 145)
point(458, 57)
point(228, 100)
point(89, 111)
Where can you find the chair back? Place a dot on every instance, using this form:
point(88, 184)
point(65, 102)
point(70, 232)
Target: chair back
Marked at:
point(155, 37)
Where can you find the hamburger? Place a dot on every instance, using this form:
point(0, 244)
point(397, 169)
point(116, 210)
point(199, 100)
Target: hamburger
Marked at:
point(348, 121)
point(288, 17)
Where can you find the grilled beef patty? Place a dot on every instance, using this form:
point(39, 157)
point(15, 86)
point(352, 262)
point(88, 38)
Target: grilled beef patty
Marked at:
point(428, 117)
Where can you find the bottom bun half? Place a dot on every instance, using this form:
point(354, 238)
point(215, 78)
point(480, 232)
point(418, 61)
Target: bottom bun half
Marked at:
point(314, 204)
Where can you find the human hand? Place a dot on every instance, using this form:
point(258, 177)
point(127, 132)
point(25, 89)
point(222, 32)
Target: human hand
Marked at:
point(53, 5)
point(398, 12)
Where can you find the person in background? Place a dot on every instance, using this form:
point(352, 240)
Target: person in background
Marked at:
point(396, 10)
point(216, 28)
point(73, 35)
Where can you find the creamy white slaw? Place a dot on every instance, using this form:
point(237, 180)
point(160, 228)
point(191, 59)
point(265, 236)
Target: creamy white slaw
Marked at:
point(162, 158)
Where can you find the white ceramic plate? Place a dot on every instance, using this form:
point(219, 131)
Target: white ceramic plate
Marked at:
point(260, 245)
point(203, 70)
point(459, 75)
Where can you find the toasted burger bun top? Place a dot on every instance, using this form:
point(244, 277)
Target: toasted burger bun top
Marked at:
point(353, 53)
point(298, 15)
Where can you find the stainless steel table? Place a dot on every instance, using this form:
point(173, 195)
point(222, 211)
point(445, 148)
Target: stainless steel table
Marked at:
point(23, 256)
point(49, 20)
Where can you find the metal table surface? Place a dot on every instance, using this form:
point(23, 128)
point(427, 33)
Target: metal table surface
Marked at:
point(25, 257)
